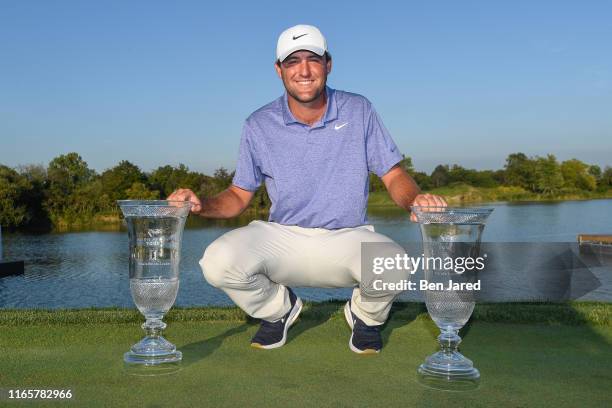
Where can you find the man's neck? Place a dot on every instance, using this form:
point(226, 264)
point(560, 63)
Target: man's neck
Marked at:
point(310, 112)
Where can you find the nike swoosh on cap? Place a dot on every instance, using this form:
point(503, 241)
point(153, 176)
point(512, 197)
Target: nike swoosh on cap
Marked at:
point(295, 37)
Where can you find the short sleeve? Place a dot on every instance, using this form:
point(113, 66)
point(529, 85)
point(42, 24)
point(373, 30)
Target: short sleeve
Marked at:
point(382, 152)
point(248, 174)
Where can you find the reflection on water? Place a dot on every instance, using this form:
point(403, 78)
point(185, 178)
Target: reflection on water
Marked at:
point(90, 268)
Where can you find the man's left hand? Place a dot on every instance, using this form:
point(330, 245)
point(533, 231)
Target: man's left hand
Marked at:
point(427, 200)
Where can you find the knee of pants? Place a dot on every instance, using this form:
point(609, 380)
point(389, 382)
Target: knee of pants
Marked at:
point(215, 262)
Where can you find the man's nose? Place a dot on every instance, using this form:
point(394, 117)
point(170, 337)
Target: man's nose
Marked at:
point(304, 69)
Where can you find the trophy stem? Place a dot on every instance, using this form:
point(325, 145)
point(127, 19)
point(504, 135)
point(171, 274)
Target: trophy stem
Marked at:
point(154, 327)
point(449, 341)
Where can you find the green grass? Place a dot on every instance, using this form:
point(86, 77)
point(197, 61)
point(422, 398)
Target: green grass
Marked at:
point(572, 313)
point(529, 355)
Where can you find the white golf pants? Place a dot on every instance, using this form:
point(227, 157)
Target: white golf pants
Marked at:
point(254, 265)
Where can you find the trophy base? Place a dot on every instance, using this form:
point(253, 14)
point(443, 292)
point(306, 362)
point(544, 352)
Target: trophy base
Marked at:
point(153, 355)
point(448, 372)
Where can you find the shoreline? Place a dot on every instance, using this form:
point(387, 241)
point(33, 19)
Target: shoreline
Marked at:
point(377, 201)
point(465, 194)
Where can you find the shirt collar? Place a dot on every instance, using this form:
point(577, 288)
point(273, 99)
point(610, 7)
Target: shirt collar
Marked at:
point(331, 113)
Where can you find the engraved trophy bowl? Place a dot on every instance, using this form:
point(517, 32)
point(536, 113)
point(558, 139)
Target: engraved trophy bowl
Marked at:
point(450, 236)
point(155, 228)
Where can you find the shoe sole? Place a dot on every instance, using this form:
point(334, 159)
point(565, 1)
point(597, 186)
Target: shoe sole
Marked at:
point(349, 320)
point(295, 313)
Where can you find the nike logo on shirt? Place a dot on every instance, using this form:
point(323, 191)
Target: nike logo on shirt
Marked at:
point(338, 127)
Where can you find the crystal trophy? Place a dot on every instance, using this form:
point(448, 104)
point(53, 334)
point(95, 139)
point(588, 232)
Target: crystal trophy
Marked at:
point(450, 237)
point(155, 228)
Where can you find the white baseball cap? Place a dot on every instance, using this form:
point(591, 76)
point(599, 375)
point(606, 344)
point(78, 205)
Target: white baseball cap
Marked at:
point(300, 37)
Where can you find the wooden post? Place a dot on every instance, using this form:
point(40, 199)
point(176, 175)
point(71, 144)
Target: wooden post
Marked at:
point(597, 239)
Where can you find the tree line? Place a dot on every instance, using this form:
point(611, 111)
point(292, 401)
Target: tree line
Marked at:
point(67, 192)
point(543, 175)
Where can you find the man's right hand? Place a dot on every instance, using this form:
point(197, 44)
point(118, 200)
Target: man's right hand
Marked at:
point(184, 194)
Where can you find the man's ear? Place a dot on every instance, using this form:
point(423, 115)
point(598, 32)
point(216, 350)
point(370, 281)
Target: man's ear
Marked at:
point(278, 70)
point(329, 66)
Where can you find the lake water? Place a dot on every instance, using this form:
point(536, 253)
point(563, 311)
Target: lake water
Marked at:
point(90, 268)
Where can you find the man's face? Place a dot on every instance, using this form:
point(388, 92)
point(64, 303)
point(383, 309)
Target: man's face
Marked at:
point(304, 75)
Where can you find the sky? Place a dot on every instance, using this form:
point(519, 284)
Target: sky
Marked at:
point(161, 82)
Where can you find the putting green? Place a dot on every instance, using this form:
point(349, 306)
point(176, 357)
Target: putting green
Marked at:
point(522, 364)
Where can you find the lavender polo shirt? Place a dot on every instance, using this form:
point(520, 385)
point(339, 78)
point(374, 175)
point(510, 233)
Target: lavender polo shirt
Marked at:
point(316, 176)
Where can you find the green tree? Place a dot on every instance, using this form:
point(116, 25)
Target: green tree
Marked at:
point(440, 176)
point(222, 175)
point(13, 191)
point(520, 171)
point(167, 179)
point(261, 200)
point(606, 177)
point(458, 174)
point(376, 184)
point(499, 176)
point(65, 173)
point(422, 180)
point(406, 164)
point(139, 191)
point(484, 178)
point(87, 201)
point(222, 179)
point(35, 173)
point(117, 180)
point(576, 175)
point(38, 217)
point(549, 178)
point(595, 171)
